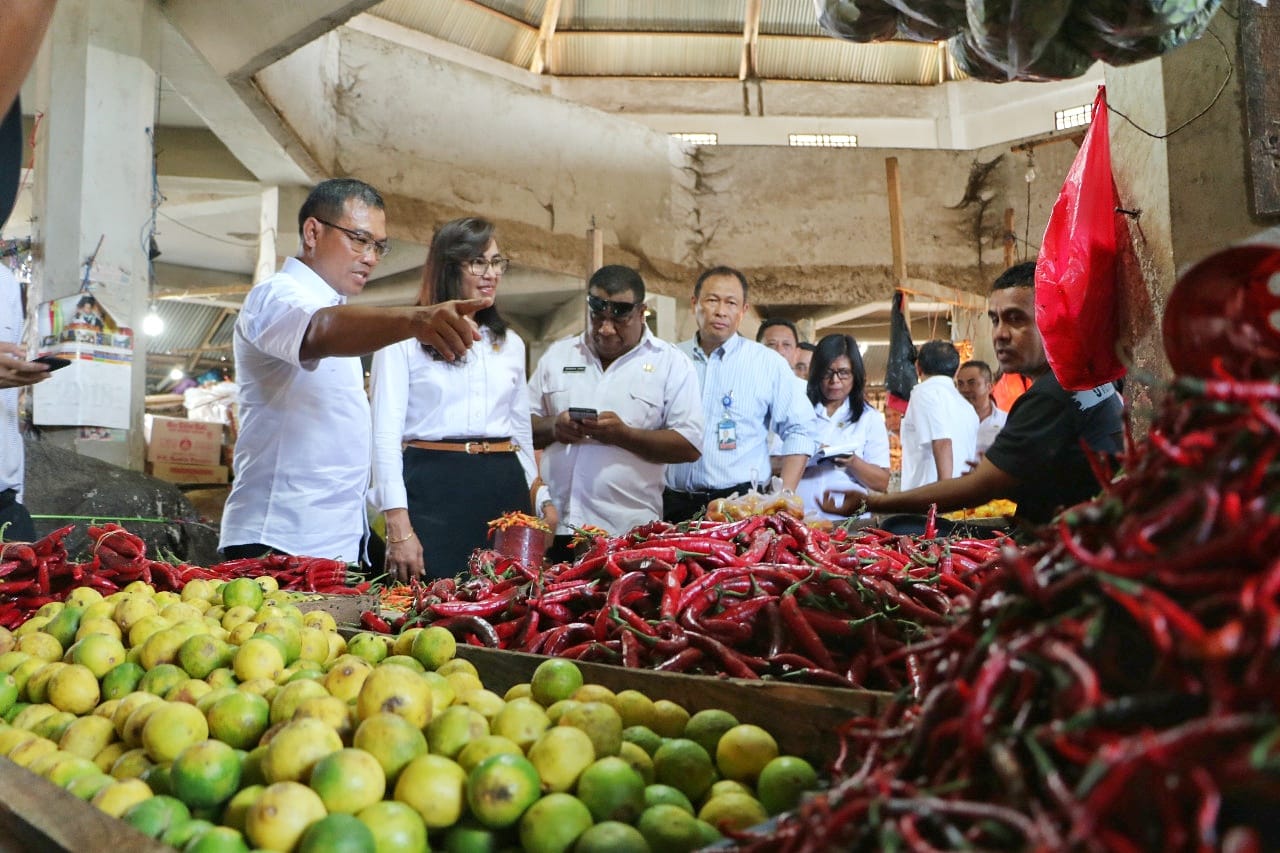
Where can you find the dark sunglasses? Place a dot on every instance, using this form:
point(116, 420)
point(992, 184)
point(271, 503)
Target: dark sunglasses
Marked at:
point(614, 310)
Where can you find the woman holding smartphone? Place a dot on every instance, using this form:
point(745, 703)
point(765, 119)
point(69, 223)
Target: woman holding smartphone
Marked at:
point(452, 441)
point(855, 444)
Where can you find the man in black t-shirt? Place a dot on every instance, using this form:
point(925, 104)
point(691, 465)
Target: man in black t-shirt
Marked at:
point(1037, 459)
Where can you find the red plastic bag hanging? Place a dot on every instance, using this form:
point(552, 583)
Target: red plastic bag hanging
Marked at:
point(1076, 285)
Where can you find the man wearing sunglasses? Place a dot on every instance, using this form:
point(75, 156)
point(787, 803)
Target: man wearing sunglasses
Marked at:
point(303, 451)
point(611, 407)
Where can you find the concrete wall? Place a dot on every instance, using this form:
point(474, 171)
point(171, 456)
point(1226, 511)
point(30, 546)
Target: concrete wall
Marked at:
point(442, 139)
point(811, 226)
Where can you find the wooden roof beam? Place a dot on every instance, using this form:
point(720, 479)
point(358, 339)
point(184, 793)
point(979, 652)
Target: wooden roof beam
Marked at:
point(750, 39)
point(546, 32)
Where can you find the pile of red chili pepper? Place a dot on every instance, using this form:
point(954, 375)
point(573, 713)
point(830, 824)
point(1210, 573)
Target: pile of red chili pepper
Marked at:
point(1114, 687)
point(766, 596)
point(33, 574)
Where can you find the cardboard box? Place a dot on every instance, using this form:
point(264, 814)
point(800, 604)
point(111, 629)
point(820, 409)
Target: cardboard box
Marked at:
point(181, 472)
point(182, 441)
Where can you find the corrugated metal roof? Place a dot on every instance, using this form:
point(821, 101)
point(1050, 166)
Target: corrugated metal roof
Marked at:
point(673, 16)
point(786, 58)
point(598, 54)
point(789, 18)
point(669, 38)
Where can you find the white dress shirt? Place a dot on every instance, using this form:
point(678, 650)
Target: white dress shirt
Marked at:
point(651, 387)
point(12, 455)
point(753, 387)
point(936, 411)
point(990, 426)
point(867, 438)
point(302, 455)
point(418, 398)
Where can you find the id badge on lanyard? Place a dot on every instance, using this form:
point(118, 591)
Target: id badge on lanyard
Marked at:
point(726, 429)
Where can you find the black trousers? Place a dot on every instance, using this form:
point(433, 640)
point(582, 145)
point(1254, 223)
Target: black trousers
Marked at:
point(20, 527)
point(452, 498)
point(682, 506)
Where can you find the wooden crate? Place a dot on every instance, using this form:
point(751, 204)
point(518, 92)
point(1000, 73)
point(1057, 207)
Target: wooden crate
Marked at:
point(345, 609)
point(36, 814)
point(802, 718)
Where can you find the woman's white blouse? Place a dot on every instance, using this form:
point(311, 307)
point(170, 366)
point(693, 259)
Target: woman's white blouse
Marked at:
point(867, 437)
point(417, 398)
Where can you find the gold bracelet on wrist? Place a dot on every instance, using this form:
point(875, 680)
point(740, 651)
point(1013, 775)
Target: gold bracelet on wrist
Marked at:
point(405, 538)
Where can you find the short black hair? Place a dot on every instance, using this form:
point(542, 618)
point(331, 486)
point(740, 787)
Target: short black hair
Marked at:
point(938, 358)
point(777, 321)
point(616, 278)
point(828, 350)
point(1018, 275)
point(983, 368)
point(808, 347)
point(328, 198)
point(721, 270)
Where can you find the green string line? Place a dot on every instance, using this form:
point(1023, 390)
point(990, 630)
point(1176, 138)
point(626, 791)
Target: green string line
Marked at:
point(96, 518)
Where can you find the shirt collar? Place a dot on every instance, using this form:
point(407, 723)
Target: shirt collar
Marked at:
point(726, 349)
point(306, 276)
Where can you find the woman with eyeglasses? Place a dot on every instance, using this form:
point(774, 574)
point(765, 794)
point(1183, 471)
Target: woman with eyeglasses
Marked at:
point(452, 445)
point(854, 456)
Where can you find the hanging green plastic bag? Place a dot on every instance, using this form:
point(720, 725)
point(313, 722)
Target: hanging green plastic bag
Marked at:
point(1122, 32)
point(1076, 302)
point(857, 20)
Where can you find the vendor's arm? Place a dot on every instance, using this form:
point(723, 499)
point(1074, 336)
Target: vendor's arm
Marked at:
point(651, 445)
point(986, 483)
point(354, 330)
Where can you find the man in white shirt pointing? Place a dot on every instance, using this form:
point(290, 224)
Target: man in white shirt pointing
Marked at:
point(302, 455)
point(637, 405)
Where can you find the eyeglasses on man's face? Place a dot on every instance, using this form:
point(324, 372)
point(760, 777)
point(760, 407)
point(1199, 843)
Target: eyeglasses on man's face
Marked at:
point(840, 374)
point(361, 241)
point(479, 266)
point(613, 310)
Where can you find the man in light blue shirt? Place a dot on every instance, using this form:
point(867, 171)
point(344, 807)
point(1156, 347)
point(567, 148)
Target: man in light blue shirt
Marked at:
point(747, 390)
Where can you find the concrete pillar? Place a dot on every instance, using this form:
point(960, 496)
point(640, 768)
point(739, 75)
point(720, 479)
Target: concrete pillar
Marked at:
point(96, 86)
point(1190, 187)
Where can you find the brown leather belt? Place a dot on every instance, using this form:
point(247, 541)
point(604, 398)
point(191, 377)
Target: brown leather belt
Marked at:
point(470, 447)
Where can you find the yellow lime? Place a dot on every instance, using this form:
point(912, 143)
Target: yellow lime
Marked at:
point(733, 812)
point(338, 833)
point(434, 647)
point(205, 774)
point(348, 781)
point(392, 740)
point(258, 657)
point(555, 679)
point(87, 736)
point(435, 787)
point(553, 824)
point(118, 797)
point(683, 764)
point(238, 718)
point(560, 755)
point(172, 728)
point(743, 752)
point(669, 719)
point(295, 749)
point(396, 827)
point(397, 690)
point(242, 592)
point(281, 814)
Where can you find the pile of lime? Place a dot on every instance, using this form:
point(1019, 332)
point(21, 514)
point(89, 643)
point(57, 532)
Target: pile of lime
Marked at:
point(225, 719)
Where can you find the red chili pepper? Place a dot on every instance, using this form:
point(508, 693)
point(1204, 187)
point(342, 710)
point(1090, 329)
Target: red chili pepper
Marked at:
point(485, 608)
point(728, 658)
point(682, 661)
point(374, 622)
point(803, 632)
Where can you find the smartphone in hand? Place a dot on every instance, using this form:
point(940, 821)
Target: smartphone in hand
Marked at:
point(578, 414)
point(54, 362)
